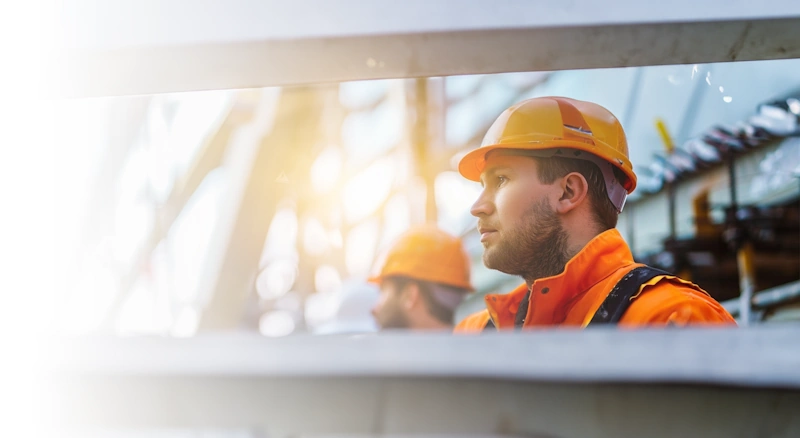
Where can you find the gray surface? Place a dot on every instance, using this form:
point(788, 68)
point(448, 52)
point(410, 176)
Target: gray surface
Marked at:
point(756, 357)
point(372, 406)
point(132, 47)
point(596, 383)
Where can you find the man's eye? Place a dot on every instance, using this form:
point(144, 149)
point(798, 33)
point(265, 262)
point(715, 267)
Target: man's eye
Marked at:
point(501, 180)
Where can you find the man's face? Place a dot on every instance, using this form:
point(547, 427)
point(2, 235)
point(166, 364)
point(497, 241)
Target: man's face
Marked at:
point(520, 231)
point(389, 312)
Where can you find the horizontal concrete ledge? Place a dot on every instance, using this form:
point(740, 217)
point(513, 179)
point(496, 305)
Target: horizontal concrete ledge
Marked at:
point(753, 357)
point(415, 406)
point(371, 43)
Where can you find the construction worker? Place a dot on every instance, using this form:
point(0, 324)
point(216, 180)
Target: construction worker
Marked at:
point(423, 277)
point(555, 174)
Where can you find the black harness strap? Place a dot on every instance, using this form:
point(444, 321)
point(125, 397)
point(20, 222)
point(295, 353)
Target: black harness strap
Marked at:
point(522, 310)
point(613, 307)
point(619, 299)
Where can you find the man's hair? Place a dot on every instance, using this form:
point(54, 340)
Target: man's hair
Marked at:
point(552, 168)
point(440, 299)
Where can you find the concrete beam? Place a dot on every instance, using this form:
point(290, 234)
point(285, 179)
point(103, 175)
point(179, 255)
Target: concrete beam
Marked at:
point(722, 357)
point(131, 47)
point(597, 382)
point(420, 407)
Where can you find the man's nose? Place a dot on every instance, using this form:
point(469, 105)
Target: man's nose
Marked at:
point(482, 206)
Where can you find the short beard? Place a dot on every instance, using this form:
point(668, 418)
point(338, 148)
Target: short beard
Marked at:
point(392, 317)
point(536, 249)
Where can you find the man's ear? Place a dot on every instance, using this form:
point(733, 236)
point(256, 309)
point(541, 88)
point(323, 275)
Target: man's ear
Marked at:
point(574, 191)
point(410, 295)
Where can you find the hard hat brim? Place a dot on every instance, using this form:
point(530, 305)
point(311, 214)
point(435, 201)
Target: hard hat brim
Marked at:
point(380, 278)
point(473, 163)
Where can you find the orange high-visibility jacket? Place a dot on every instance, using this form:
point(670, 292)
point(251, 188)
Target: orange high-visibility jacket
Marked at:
point(572, 297)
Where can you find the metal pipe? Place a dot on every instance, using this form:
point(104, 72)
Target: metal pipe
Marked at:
point(732, 182)
point(767, 298)
point(744, 260)
point(743, 247)
point(673, 233)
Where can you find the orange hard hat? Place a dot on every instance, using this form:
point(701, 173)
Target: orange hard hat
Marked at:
point(559, 126)
point(426, 253)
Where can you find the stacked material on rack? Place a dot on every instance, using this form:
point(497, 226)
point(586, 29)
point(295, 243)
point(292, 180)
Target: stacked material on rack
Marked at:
point(775, 120)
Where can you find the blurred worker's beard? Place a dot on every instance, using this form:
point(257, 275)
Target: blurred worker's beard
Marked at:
point(535, 249)
point(391, 316)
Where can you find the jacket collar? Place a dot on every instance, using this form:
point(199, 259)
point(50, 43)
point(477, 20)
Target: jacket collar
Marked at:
point(552, 297)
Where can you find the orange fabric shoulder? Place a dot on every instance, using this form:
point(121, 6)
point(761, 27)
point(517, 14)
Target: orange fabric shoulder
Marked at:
point(673, 302)
point(474, 323)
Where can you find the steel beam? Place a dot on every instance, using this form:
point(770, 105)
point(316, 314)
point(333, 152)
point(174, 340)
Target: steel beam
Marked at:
point(282, 147)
